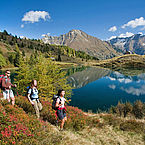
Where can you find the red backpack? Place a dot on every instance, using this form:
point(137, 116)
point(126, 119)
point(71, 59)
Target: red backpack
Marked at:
point(1, 77)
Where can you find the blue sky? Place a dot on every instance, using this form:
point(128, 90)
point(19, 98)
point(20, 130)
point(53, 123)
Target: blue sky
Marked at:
point(99, 18)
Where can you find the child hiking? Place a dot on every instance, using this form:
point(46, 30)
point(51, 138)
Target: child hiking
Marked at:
point(6, 87)
point(61, 110)
point(34, 98)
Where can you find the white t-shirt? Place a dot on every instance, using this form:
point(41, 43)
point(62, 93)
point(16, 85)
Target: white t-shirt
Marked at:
point(62, 99)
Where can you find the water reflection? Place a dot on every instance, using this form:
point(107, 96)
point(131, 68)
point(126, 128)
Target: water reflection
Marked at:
point(134, 91)
point(112, 86)
point(88, 75)
point(136, 84)
point(100, 88)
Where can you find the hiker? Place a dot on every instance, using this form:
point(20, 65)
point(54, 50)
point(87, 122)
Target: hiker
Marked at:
point(61, 110)
point(34, 98)
point(6, 87)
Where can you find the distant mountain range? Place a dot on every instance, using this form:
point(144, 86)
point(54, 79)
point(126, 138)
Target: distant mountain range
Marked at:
point(79, 40)
point(135, 43)
point(93, 46)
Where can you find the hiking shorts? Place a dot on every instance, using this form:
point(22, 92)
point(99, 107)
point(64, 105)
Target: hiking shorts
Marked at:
point(8, 94)
point(61, 114)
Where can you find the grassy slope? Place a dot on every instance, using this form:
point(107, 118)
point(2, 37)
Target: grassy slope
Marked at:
point(6, 48)
point(103, 129)
point(125, 61)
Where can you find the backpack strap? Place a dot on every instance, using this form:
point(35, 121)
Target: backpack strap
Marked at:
point(60, 99)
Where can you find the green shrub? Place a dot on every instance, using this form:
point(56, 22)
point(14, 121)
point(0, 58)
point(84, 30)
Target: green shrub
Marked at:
point(48, 113)
point(138, 109)
point(120, 108)
point(76, 118)
point(94, 122)
point(110, 119)
point(133, 125)
point(23, 102)
point(113, 110)
point(127, 108)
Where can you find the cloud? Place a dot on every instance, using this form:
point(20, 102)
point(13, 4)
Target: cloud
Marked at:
point(112, 79)
point(35, 16)
point(112, 86)
point(127, 34)
point(22, 26)
point(135, 23)
point(113, 29)
point(126, 81)
point(134, 91)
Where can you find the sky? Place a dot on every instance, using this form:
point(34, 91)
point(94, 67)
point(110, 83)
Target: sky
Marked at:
point(103, 19)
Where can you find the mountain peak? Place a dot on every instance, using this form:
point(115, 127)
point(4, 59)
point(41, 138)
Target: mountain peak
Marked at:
point(75, 31)
point(81, 41)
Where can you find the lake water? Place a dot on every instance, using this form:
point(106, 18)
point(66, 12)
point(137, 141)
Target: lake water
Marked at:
point(98, 88)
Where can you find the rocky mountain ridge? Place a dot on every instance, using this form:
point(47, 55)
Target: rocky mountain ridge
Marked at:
point(79, 40)
point(134, 44)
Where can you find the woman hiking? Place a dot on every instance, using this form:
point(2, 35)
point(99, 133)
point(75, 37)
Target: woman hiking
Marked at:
point(34, 98)
point(61, 110)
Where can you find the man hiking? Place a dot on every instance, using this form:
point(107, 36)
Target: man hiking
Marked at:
point(61, 110)
point(34, 98)
point(6, 87)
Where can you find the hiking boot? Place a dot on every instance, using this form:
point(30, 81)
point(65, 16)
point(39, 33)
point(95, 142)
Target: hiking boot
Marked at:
point(61, 129)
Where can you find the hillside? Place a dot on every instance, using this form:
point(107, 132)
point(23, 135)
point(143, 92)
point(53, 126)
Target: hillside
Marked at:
point(81, 41)
point(20, 126)
point(10, 45)
point(125, 61)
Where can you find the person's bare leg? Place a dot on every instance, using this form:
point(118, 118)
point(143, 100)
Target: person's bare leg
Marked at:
point(65, 118)
point(8, 100)
point(13, 101)
point(62, 123)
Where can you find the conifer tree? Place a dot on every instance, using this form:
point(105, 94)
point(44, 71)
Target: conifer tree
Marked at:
point(49, 76)
point(18, 55)
point(23, 77)
point(23, 53)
